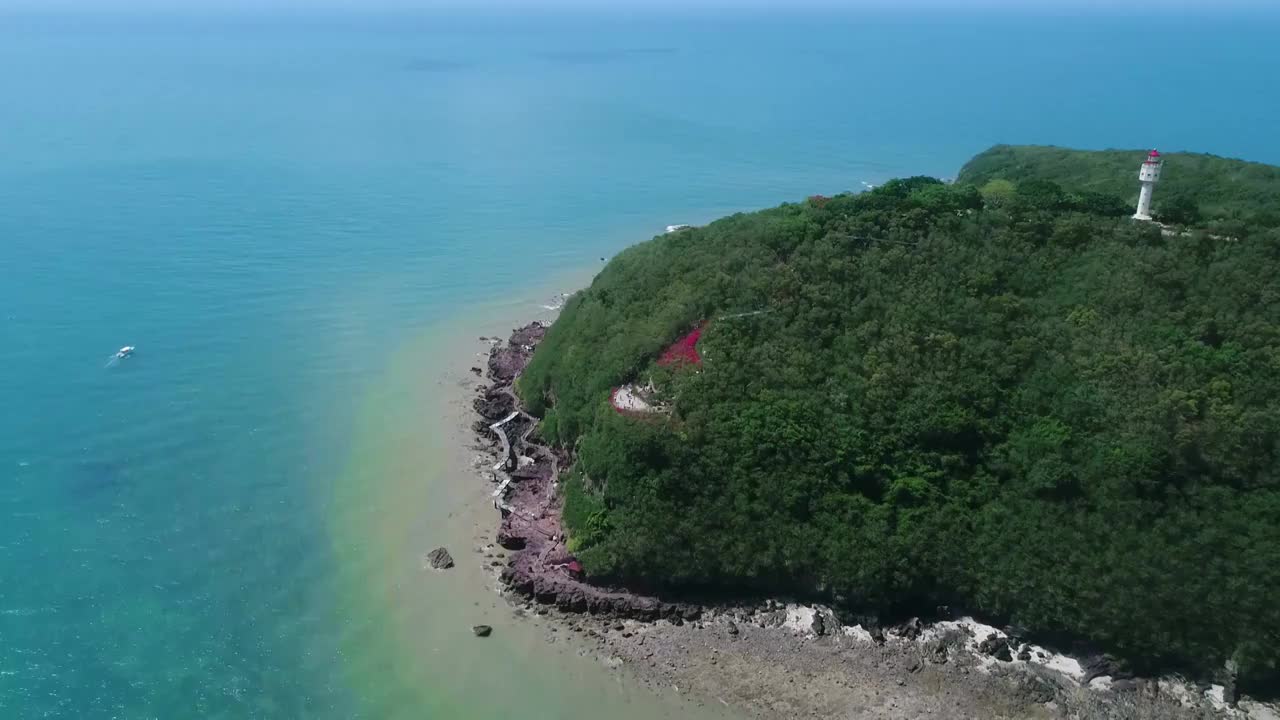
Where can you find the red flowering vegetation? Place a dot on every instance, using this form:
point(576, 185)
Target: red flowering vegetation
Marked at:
point(818, 200)
point(683, 351)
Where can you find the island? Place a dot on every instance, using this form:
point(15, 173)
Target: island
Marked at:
point(999, 398)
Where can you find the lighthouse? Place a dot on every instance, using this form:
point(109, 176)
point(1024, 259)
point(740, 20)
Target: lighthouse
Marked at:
point(1148, 175)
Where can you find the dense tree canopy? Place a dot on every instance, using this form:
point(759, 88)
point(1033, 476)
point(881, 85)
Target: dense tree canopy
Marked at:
point(1001, 393)
point(1225, 195)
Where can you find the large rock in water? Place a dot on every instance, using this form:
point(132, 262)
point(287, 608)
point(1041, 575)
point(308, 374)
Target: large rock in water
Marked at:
point(482, 630)
point(440, 559)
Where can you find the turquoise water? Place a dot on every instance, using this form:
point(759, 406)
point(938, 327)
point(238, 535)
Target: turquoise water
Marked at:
point(293, 216)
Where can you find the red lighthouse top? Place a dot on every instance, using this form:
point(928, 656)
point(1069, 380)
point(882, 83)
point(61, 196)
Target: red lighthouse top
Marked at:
point(1155, 155)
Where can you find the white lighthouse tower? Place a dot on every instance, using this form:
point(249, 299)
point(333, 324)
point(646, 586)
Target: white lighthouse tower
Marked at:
point(1149, 175)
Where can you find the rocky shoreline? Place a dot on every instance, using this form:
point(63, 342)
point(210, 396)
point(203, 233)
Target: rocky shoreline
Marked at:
point(540, 567)
point(778, 660)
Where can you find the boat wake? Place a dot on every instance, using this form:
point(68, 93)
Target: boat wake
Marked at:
point(121, 354)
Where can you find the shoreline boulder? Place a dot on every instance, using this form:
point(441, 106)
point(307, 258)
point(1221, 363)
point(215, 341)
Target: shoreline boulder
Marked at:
point(440, 559)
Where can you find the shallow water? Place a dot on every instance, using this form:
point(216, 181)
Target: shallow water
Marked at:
point(384, 529)
point(303, 221)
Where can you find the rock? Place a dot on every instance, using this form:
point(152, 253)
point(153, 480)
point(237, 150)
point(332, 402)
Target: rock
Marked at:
point(911, 629)
point(773, 619)
point(996, 647)
point(1124, 686)
point(1024, 655)
point(510, 541)
point(646, 609)
point(938, 650)
point(517, 581)
point(440, 559)
point(691, 612)
point(572, 600)
point(1096, 666)
point(733, 629)
point(819, 625)
point(482, 630)
point(937, 653)
point(1230, 693)
point(1034, 689)
point(544, 591)
point(494, 406)
point(877, 635)
point(1230, 687)
point(528, 335)
point(505, 363)
point(477, 371)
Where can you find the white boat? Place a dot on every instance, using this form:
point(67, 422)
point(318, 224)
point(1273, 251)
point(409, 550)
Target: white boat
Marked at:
point(125, 351)
point(677, 228)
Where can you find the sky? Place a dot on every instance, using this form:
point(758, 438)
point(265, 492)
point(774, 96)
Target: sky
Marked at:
point(1155, 7)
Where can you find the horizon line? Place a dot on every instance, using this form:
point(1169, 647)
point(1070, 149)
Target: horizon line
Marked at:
point(1165, 9)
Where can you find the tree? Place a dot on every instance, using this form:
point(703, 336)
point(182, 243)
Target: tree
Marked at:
point(1179, 209)
point(1097, 203)
point(1041, 195)
point(998, 192)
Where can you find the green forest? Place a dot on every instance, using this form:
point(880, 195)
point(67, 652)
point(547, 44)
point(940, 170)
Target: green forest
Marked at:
point(1001, 393)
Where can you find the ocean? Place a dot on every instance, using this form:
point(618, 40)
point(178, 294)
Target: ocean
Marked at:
point(303, 220)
